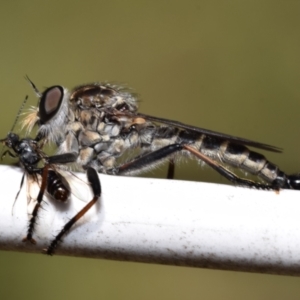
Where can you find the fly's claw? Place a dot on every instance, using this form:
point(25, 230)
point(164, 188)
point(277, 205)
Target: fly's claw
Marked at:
point(30, 240)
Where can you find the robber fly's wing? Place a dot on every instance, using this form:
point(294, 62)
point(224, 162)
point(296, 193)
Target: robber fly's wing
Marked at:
point(208, 132)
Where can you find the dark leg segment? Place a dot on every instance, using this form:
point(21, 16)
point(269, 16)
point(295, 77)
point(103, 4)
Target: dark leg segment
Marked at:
point(171, 169)
point(21, 184)
point(227, 174)
point(147, 159)
point(62, 158)
point(93, 178)
point(32, 221)
point(162, 153)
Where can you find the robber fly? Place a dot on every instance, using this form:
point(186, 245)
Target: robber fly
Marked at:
point(30, 155)
point(100, 125)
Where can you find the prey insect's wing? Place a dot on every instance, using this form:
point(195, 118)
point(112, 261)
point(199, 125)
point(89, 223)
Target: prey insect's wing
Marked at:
point(79, 185)
point(32, 190)
point(212, 133)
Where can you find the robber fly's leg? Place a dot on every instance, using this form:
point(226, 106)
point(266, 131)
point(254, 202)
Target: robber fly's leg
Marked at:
point(164, 152)
point(93, 179)
point(32, 221)
point(294, 181)
point(62, 158)
point(171, 169)
point(146, 160)
point(227, 174)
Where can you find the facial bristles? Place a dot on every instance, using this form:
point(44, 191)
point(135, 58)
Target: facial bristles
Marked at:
point(30, 119)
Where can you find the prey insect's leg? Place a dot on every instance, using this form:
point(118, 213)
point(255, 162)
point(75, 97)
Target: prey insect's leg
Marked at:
point(9, 154)
point(32, 221)
point(93, 179)
point(21, 184)
point(60, 158)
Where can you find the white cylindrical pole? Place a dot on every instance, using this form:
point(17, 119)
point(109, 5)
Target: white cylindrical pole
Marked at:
point(164, 221)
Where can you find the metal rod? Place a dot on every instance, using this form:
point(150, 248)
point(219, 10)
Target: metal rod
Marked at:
point(167, 222)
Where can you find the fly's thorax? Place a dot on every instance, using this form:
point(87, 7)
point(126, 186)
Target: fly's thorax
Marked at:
point(103, 96)
point(91, 95)
point(27, 150)
point(29, 154)
point(88, 118)
point(102, 146)
point(107, 151)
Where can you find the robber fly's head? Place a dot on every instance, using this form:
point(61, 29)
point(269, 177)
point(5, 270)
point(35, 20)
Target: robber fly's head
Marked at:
point(50, 113)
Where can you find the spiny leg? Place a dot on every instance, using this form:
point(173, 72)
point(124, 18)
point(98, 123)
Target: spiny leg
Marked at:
point(164, 152)
point(147, 159)
point(32, 221)
point(10, 154)
point(93, 179)
point(60, 158)
point(228, 174)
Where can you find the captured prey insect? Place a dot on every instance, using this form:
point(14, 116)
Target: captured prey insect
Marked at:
point(100, 125)
point(30, 155)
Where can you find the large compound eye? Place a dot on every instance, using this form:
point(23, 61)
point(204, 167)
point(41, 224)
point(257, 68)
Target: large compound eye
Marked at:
point(50, 103)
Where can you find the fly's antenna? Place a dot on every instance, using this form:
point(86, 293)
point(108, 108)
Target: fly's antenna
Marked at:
point(37, 92)
point(19, 113)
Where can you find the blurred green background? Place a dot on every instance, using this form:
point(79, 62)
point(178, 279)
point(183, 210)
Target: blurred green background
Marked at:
point(230, 66)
